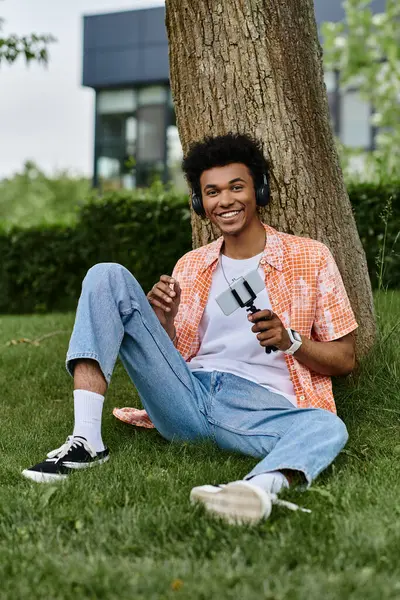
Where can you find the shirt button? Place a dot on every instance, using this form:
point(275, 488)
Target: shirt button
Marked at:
point(301, 397)
point(262, 261)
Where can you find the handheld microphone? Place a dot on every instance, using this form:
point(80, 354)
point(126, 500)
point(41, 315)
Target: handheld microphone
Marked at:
point(249, 306)
point(242, 295)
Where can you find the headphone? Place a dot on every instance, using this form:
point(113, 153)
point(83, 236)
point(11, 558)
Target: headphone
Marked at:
point(262, 197)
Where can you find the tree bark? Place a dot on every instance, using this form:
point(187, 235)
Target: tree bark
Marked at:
point(255, 66)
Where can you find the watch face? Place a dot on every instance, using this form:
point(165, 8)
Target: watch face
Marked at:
point(296, 335)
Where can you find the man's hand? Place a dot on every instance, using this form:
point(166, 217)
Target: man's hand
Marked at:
point(270, 329)
point(326, 358)
point(164, 297)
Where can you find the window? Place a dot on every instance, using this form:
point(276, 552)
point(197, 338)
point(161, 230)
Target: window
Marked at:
point(115, 148)
point(331, 82)
point(174, 153)
point(136, 137)
point(111, 128)
point(116, 101)
point(131, 135)
point(151, 133)
point(355, 128)
point(108, 168)
point(154, 94)
point(116, 138)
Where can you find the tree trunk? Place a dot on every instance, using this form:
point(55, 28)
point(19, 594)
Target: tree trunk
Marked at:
point(255, 66)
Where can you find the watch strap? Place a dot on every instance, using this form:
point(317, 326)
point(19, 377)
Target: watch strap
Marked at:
point(295, 343)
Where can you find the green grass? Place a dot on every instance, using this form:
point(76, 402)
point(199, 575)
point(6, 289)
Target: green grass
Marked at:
point(127, 530)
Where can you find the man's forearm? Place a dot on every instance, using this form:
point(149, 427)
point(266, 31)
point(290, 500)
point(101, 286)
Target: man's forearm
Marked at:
point(325, 358)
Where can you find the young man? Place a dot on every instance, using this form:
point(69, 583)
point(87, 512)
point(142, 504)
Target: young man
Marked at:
point(202, 374)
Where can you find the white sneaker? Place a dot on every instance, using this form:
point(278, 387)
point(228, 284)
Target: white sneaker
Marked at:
point(237, 502)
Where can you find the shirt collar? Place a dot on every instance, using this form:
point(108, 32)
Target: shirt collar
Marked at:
point(273, 251)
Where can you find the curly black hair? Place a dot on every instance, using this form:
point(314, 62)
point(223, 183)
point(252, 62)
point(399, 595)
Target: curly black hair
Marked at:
point(223, 150)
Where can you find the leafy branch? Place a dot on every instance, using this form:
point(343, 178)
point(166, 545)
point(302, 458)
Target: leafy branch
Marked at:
point(365, 50)
point(32, 47)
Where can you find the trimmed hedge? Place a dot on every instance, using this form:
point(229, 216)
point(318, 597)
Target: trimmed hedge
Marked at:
point(373, 204)
point(147, 231)
point(42, 268)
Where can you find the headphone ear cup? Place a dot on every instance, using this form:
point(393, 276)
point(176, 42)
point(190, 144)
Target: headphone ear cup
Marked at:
point(262, 194)
point(197, 205)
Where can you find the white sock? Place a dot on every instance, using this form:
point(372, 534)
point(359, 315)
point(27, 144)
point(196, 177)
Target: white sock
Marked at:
point(88, 410)
point(272, 482)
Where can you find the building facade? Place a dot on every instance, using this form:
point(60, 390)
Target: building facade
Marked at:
point(125, 60)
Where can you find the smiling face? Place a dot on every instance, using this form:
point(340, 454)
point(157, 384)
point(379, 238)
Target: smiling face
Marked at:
point(229, 197)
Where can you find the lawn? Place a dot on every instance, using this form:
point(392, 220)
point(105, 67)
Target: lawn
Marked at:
point(127, 530)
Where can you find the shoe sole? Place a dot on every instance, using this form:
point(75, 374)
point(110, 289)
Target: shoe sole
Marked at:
point(236, 503)
point(40, 477)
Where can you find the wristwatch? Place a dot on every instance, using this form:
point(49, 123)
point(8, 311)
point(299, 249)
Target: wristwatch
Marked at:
point(295, 338)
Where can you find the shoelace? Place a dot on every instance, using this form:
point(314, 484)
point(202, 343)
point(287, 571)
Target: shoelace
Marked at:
point(59, 453)
point(289, 505)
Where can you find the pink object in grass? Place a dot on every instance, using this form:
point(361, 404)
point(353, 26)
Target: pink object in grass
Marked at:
point(133, 416)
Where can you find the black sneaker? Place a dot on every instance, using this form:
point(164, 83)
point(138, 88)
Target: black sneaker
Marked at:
point(75, 454)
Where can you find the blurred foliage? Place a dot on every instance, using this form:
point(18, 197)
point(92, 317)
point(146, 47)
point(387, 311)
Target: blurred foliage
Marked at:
point(31, 47)
point(42, 267)
point(31, 198)
point(148, 230)
point(376, 208)
point(365, 49)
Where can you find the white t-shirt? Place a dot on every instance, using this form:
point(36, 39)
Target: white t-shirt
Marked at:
point(227, 343)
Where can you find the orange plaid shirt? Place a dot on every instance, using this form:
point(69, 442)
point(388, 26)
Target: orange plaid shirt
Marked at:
point(306, 292)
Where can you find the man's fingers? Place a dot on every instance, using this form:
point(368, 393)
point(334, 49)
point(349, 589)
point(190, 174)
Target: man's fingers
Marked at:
point(177, 289)
point(159, 304)
point(272, 341)
point(174, 287)
point(169, 285)
point(160, 293)
point(263, 315)
point(266, 337)
point(167, 278)
point(165, 286)
point(165, 294)
point(262, 326)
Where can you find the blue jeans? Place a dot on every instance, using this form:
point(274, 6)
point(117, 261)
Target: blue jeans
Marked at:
point(115, 318)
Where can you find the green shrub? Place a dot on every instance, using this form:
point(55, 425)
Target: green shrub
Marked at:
point(147, 230)
point(31, 198)
point(42, 267)
point(376, 207)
